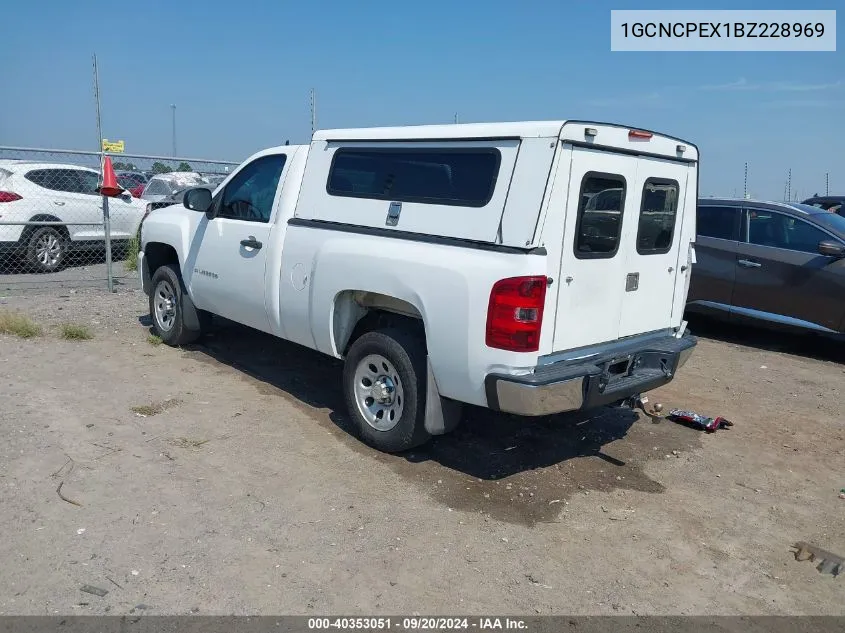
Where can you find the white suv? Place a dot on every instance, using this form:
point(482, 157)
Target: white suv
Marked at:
point(66, 194)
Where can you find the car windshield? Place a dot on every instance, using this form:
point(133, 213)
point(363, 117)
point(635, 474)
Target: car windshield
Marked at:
point(830, 220)
point(807, 208)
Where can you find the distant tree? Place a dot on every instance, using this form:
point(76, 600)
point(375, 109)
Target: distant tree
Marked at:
point(183, 166)
point(161, 168)
point(125, 166)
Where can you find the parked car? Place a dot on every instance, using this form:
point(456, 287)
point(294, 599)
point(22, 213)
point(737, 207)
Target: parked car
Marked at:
point(174, 198)
point(162, 186)
point(443, 267)
point(214, 179)
point(133, 182)
point(836, 204)
point(780, 264)
point(47, 192)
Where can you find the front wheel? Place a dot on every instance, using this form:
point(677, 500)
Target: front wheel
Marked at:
point(384, 380)
point(167, 307)
point(46, 249)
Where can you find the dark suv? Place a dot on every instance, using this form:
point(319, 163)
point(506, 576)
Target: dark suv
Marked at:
point(769, 262)
point(836, 204)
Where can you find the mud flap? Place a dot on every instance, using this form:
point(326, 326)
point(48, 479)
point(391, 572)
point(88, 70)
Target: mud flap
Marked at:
point(146, 277)
point(441, 414)
point(190, 317)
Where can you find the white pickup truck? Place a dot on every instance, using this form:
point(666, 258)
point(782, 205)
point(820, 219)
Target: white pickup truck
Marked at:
point(531, 267)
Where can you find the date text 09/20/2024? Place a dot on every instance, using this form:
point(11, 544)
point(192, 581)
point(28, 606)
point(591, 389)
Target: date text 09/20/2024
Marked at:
point(418, 623)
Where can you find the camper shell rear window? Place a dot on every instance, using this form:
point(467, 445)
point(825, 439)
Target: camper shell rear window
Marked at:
point(449, 176)
point(599, 223)
point(658, 210)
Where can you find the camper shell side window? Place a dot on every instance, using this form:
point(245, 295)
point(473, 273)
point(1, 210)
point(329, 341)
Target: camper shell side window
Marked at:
point(448, 176)
point(600, 210)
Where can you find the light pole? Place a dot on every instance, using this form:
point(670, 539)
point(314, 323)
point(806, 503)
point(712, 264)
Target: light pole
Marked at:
point(173, 109)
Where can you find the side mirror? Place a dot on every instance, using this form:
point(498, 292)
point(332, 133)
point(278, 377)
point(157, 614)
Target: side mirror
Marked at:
point(831, 248)
point(197, 200)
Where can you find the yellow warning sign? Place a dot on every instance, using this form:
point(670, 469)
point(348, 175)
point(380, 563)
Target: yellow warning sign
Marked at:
point(115, 147)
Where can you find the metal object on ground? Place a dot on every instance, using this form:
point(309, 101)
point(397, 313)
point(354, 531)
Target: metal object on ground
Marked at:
point(829, 563)
point(639, 402)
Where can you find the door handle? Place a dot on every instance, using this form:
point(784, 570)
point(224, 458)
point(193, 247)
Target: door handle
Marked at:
point(58, 203)
point(251, 243)
point(748, 263)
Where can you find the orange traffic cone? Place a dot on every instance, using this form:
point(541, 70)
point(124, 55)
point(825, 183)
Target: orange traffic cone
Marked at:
point(109, 187)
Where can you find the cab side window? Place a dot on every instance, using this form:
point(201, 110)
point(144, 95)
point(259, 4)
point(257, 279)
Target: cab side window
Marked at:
point(249, 195)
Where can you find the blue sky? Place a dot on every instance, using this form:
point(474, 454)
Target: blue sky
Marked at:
point(240, 74)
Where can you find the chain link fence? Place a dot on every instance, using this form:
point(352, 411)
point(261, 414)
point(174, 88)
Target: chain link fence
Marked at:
point(52, 221)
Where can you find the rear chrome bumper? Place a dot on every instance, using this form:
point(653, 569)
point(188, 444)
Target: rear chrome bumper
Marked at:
point(616, 374)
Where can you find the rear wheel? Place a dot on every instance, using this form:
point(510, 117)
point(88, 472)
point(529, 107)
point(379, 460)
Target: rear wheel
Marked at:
point(384, 386)
point(46, 249)
point(166, 307)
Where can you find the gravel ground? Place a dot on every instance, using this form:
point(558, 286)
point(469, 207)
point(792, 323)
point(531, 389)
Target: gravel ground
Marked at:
point(222, 478)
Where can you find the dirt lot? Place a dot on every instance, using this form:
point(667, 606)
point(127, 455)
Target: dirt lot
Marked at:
point(234, 485)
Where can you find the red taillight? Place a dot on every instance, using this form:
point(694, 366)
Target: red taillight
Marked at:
point(9, 196)
point(515, 314)
point(639, 134)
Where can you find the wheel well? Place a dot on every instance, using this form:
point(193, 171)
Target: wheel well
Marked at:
point(357, 312)
point(43, 217)
point(158, 255)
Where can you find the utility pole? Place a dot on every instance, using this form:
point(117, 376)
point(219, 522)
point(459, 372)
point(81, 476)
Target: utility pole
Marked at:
point(827, 183)
point(745, 183)
point(106, 216)
point(173, 109)
point(456, 118)
point(97, 102)
point(789, 186)
point(313, 112)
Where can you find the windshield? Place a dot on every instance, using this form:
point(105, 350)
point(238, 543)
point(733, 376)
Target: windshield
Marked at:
point(830, 220)
point(808, 208)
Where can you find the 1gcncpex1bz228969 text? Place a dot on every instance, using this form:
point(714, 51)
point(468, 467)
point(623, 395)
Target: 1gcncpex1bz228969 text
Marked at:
point(729, 30)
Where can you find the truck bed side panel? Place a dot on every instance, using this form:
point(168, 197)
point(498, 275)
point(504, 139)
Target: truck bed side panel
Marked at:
point(448, 285)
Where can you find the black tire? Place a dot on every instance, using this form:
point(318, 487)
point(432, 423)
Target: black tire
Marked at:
point(405, 353)
point(46, 249)
point(166, 307)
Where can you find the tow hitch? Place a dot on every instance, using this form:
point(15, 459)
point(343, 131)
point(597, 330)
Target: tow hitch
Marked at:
point(638, 401)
